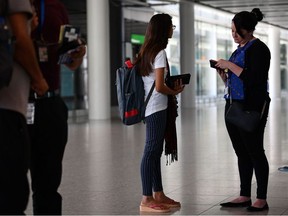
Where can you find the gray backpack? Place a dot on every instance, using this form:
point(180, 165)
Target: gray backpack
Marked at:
point(130, 94)
point(6, 58)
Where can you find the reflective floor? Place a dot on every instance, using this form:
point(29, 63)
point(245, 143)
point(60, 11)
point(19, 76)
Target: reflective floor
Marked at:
point(101, 165)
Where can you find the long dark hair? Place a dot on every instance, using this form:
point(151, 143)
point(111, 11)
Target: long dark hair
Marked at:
point(247, 20)
point(156, 39)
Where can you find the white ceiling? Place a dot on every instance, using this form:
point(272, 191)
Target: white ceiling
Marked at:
point(275, 11)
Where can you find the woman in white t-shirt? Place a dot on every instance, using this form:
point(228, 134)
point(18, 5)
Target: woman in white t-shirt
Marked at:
point(153, 63)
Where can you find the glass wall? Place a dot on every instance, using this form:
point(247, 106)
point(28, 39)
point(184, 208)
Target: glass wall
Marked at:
point(213, 40)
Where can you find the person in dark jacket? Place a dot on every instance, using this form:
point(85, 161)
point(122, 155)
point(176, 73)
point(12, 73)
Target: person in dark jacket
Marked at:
point(246, 78)
point(49, 131)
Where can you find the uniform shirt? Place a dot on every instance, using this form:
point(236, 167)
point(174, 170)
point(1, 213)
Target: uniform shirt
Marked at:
point(47, 34)
point(15, 96)
point(158, 101)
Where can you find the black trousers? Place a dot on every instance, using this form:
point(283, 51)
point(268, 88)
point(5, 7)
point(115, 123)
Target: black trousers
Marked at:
point(251, 156)
point(14, 156)
point(48, 137)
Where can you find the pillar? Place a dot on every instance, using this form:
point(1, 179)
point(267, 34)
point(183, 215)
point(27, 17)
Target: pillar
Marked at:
point(98, 59)
point(211, 76)
point(187, 53)
point(274, 72)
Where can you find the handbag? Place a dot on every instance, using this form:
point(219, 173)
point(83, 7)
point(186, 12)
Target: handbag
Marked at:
point(246, 120)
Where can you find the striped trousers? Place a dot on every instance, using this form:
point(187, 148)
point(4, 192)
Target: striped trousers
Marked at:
point(151, 161)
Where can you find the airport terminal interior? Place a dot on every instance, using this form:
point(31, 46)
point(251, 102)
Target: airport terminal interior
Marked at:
point(101, 173)
point(101, 167)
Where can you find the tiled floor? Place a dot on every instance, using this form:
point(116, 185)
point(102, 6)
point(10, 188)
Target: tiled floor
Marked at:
point(101, 166)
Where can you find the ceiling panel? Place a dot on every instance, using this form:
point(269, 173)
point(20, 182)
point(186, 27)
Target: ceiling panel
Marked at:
point(275, 11)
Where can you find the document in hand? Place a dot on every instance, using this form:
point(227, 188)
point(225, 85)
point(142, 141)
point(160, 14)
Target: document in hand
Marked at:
point(68, 33)
point(69, 41)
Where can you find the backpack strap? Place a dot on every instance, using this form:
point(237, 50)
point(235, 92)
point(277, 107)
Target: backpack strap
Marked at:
point(129, 64)
point(149, 95)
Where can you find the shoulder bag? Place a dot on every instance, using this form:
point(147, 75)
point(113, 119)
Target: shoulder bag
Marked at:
point(246, 120)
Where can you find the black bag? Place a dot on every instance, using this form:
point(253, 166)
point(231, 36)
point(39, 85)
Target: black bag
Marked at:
point(6, 58)
point(246, 120)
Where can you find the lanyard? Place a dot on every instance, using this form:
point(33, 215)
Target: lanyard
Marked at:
point(42, 16)
point(2, 20)
point(41, 23)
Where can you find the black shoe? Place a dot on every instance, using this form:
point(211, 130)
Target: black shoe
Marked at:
point(241, 204)
point(255, 209)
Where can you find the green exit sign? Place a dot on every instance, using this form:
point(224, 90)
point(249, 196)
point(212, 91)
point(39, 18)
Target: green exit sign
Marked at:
point(137, 39)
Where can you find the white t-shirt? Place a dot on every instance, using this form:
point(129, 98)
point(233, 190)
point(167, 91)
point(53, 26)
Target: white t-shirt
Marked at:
point(15, 96)
point(158, 101)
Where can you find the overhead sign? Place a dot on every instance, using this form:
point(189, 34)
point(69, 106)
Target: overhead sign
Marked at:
point(137, 39)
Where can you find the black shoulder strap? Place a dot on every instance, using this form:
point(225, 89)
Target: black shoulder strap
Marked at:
point(149, 95)
point(168, 68)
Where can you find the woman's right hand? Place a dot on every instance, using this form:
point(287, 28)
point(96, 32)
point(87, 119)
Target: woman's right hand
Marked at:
point(222, 74)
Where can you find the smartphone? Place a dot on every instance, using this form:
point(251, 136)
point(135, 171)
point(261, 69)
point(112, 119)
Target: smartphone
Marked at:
point(213, 63)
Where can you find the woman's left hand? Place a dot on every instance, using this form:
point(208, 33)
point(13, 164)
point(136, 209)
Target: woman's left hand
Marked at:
point(178, 86)
point(223, 64)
